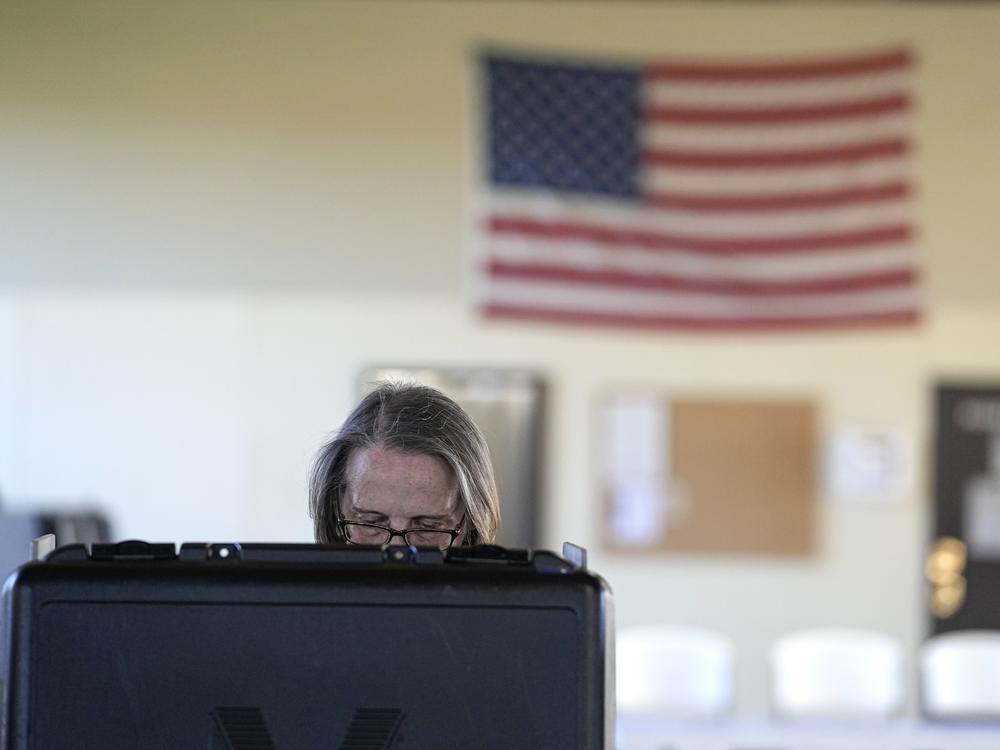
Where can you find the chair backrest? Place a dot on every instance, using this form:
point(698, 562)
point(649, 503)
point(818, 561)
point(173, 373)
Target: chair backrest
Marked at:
point(836, 673)
point(675, 671)
point(960, 675)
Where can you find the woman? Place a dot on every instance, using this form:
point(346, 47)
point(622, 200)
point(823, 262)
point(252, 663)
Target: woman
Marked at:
point(408, 466)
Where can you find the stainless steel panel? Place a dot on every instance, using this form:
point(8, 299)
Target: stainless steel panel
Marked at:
point(508, 405)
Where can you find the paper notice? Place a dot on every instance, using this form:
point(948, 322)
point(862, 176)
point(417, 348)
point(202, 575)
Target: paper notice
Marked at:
point(870, 465)
point(635, 431)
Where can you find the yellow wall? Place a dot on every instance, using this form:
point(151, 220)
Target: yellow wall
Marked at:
point(215, 214)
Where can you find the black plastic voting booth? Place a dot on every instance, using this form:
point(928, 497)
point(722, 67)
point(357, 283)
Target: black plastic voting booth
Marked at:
point(234, 646)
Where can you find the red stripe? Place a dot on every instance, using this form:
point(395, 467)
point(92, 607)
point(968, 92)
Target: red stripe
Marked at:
point(738, 72)
point(614, 237)
point(902, 317)
point(771, 115)
point(779, 201)
point(893, 148)
point(736, 287)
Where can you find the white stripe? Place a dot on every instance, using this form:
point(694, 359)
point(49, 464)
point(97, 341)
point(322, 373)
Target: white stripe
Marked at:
point(783, 136)
point(709, 181)
point(554, 296)
point(793, 93)
point(723, 226)
point(811, 266)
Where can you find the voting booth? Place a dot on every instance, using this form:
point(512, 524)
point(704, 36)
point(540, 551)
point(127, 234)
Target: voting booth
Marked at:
point(305, 646)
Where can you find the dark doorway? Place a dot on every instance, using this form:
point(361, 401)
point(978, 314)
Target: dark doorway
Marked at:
point(963, 563)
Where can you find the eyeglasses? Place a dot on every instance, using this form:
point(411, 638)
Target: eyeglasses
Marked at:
point(372, 533)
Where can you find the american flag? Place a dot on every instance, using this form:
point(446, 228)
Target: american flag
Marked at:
point(695, 195)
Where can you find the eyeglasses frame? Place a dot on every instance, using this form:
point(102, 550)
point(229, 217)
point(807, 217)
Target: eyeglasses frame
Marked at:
point(393, 533)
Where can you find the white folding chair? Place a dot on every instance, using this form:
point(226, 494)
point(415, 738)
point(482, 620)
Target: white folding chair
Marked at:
point(674, 671)
point(836, 673)
point(960, 675)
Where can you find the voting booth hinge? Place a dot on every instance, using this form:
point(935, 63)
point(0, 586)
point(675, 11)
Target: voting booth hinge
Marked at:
point(42, 546)
point(575, 554)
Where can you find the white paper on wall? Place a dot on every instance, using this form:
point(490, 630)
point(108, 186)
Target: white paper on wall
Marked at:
point(981, 507)
point(871, 464)
point(635, 470)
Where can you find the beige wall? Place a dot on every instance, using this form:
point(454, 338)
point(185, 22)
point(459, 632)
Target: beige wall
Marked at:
point(263, 143)
point(214, 215)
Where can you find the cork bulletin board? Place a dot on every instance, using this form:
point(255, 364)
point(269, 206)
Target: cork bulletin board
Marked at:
point(708, 475)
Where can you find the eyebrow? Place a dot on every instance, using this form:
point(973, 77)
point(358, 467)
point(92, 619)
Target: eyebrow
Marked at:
point(417, 520)
point(366, 512)
point(431, 519)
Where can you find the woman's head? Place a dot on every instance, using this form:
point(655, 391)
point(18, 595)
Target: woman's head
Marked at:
point(407, 456)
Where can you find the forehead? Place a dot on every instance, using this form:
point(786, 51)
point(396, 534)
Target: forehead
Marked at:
point(398, 484)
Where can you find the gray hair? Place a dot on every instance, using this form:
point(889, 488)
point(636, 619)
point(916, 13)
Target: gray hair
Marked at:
point(414, 419)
